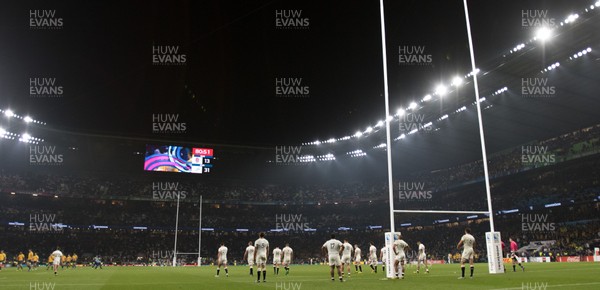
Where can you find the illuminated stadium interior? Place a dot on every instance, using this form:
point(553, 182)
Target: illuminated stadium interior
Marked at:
point(142, 128)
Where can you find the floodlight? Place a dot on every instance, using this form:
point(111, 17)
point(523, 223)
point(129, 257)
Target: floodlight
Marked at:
point(572, 18)
point(457, 81)
point(543, 34)
point(25, 137)
point(441, 90)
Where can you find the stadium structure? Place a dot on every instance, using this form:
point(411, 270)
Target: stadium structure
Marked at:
point(167, 195)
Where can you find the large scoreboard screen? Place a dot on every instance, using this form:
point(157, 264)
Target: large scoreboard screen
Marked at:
point(178, 159)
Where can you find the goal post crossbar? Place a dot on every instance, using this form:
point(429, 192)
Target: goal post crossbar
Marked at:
point(175, 253)
point(440, 211)
point(492, 238)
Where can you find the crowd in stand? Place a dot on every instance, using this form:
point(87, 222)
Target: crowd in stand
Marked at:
point(574, 226)
point(573, 236)
point(500, 164)
point(85, 200)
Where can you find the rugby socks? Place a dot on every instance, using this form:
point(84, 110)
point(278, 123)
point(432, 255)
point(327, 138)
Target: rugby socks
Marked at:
point(472, 269)
point(462, 269)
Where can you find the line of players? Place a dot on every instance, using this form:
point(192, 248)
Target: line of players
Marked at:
point(33, 260)
point(333, 249)
point(257, 253)
point(56, 259)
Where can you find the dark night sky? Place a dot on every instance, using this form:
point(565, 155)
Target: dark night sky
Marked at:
point(226, 90)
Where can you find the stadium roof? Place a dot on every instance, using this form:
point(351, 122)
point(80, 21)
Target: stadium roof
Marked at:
point(225, 93)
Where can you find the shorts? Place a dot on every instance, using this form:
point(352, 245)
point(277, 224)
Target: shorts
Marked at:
point(277, 261)
point(514, 255)
point(346, 260)
point(56, 262)
point(422, 257)
point(401, 258)
point(286, 261)
point(334, 261)
point(373, 260)
point(261, 260)
point(467, 254)
point(250, 262)
point(223, 261)
point(357, 259)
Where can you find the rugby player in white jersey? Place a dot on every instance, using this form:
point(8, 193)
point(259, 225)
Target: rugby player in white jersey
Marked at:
point(222, 260)
point(357, 259)
point(422, 258)
point(333, 248)
point(346, 257)
point(468, 243)
point(288, 254)
point(399, 247)
point(383, 257)
point(373, 257)
point(56, 257)
point(261, 246)
point(276, 260)
point(249, 255)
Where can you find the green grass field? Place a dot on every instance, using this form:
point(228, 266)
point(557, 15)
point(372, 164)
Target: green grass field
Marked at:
point(536, 276)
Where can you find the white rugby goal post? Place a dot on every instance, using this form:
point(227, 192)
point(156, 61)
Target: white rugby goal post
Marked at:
point(494, 250)
point(175, 253)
